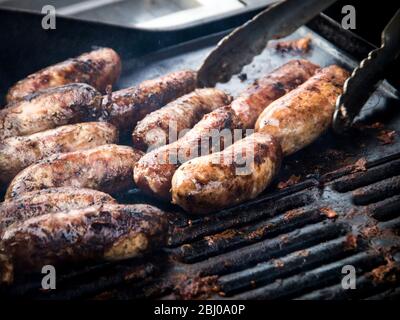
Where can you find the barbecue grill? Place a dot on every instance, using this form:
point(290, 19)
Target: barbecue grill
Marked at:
point(339, 204)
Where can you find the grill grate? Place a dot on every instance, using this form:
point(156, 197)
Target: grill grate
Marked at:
point(290, 243)
point(295, 243)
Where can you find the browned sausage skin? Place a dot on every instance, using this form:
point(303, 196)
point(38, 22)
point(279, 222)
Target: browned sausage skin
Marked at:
point(106, 232)
point(98, 68)
point(124, 108)
point(107, 168)
point(153, 173)
point(301, 116)
point(225, 178)
point(17, 153)
point(182, 114)
point(249, 105)
point(36, 203)
point(49, 109)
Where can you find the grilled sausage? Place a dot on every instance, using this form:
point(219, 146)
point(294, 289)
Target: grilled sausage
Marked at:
point(301, 116)
point(153, 173)
point(249, 105)
point(222, 179)
point(108, 232)
point(37, 203)
point(50, 108)
point(208, 183)
point(107, 168)
point(99, 68)
point(181, 114)
point(126, 107)
point(17, 153)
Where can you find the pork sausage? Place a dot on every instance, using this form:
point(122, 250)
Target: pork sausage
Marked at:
point(249, 105)
point(17, 153)
point(182, 114)
point(107, 168)
point(124, 108)
point(98, 68)
point(37, 203)
point(240, 172)
point(108, 232)
point(50, 108)
point(301, 116)
point(153, 173)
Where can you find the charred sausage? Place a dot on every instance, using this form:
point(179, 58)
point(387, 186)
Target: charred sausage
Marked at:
point(301, 116)
point(181, 114)
point(50, 108)
point(106, 232)
point(107, 168)
point(17, 153)
point(153, 173)
point(124, 108)
point(226, 178)
point(37, 203)
point(98, 68)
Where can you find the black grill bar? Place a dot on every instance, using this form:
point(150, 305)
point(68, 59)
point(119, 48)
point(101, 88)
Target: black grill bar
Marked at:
point(365, 287)
point(235, 238)
point(294, 263)
point(377, 191)
point(393, 293)
point(94, 280)
point(317, 278)
point(362, 179)
point(391, 224)
point(386, 209)
point(240, 216)
point(270, 248)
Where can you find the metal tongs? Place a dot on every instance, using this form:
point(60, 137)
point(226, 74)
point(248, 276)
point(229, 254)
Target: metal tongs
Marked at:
point(244, 43)
point(366, 77)
point(280, 20)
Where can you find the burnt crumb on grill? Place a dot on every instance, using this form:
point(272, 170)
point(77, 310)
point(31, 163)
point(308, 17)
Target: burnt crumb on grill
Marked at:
point(370, 232)
point(292, 214)
point(386, 136)
point(242, 76)
point(291, 181)
point(297, 46)
point(360, 165)
point(329, 213)
point(351, 242)
point(227, 234)
point(386, 273)
point(259, 233)
point(196, 287)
